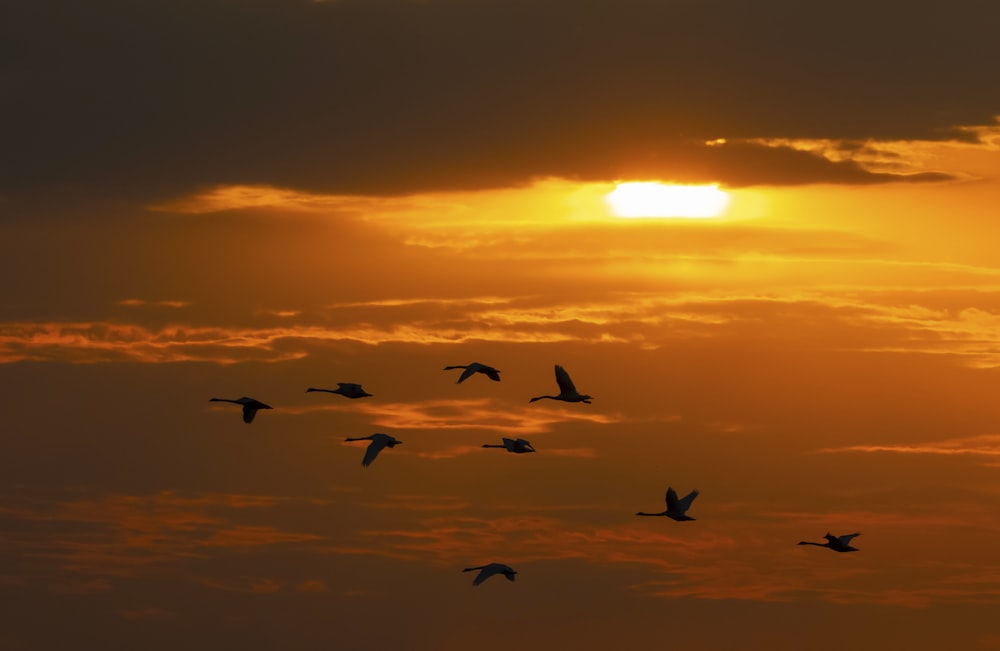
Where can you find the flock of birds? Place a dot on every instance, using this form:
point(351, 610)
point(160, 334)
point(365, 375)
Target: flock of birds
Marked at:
point(677, 507)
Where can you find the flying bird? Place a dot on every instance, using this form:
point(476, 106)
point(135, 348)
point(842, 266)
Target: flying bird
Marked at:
point(250, 406)
point(517, 446)
point(836, 543)
point(346, 389)
point(473, 368)
point(567, 392)
point(486, 571)
point(676, 508)
point(378, 441)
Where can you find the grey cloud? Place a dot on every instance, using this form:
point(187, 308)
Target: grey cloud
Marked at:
point(152, 99)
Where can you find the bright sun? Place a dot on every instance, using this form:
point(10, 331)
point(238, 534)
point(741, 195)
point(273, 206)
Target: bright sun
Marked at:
point(651, 199)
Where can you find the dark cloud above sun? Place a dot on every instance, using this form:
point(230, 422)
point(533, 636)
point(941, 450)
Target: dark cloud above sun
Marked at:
point(153, 99)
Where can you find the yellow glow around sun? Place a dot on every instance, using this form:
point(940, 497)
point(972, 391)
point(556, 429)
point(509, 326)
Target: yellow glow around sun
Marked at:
point(651, 199)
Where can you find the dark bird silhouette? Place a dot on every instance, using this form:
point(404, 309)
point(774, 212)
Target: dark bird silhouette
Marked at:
point(473, 368)
point(836, 543)
point(517, 446)
point(676, 508)
point(567, 392)
point(250, 406)
point(378, 442)
point(346, 389)
point(486, 571)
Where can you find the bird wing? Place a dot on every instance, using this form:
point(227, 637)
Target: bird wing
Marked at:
point(467, 373)
point(672, 500)
point(562, 378)
point(847, 538)
point(484, 574)
point(492, 373)
point(249, 411)
point(349, 386)
point(685, 502)
point(373, 449)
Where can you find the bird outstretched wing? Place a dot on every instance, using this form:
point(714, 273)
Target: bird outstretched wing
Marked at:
point(562, 378)
point(484, 574)
point(685, 502)
point(249, 411)
point(672, 500)
point(372, 451)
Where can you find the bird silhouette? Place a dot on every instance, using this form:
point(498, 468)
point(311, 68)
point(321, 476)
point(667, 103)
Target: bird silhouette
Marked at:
point(250, 406)
point(567, 392)
point(486, 571)
point(473, 368)
point(346, 389)
point(836, 543)
point(517, 446)
point(676, 508)
point(378, 442)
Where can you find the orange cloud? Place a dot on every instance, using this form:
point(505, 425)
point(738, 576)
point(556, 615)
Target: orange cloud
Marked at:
point(941, 321)
point(480, 414)
point(135, 535)
point(985, 445)
point(138, 302)
point(312, 586)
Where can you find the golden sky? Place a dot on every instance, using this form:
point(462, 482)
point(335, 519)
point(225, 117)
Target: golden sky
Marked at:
point(225, 199)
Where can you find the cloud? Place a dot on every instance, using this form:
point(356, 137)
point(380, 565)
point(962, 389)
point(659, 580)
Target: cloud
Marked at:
point(88, 542)
point(984, 445)
point(704, 565)
point(959, 322)
point(138, 302)
point(462, 450)
point(600, 91)
point(476, 414)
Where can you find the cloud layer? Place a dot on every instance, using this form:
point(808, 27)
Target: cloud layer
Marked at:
point(374, 97)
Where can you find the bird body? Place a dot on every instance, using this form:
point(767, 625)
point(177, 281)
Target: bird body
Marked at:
point(486, 571)
point(473, 368)
point(836, 543)
point(346, 389)
point(250, 406)
point(567, 391)
point(676, 508)
point(378, 442)
point(517, 446)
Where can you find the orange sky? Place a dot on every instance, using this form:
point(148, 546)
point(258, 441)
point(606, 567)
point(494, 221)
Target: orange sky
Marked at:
point(823, 356)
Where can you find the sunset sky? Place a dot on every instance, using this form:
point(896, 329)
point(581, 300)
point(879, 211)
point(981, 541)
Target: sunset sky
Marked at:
point(226, 198)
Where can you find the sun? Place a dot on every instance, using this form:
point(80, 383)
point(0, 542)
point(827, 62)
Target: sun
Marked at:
point(651, 199)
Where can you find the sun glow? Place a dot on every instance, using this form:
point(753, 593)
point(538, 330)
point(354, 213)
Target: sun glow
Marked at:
point(651, 199)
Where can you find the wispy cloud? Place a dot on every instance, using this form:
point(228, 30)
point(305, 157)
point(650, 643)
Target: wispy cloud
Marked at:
point(138, 302)
point(984, 445)
point(904, 160)
point(92, 540)
point(960, 322)
point(463, 450)
point(224, 198)
point(477, 414)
